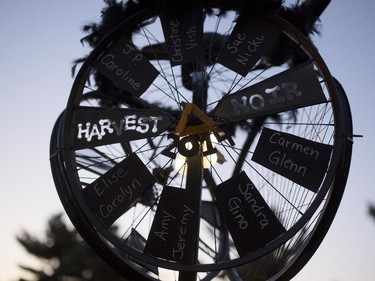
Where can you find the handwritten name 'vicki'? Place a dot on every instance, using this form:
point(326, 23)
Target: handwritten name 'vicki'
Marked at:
point(140, 124)
point(252, 45)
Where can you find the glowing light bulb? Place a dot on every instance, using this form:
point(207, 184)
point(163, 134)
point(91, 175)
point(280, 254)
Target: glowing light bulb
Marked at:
point(180, 163)
point(208, 161)
point(211, 159)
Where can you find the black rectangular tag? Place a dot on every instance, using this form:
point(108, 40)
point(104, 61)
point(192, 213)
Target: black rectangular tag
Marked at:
point(96, 126)
point(291, 89)
point(183, 33)
point(115, 191)
point(249, 41)
point(301, 160)
point(249, 219)
point(173, 235)
point(127, 67)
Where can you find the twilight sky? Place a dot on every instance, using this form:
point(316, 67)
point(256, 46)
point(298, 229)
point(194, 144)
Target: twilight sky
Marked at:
point(40, 39)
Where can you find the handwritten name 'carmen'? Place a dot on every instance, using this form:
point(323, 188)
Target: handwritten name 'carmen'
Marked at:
point(281, 159)
point(275, 138)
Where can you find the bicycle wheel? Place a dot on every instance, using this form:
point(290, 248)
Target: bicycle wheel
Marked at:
point(128, 267)
point(80, 222)
point(204, 136)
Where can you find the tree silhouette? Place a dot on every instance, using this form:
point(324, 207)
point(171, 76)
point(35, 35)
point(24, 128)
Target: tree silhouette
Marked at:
point(64, 254)
point(303, 15)
point(371, 211)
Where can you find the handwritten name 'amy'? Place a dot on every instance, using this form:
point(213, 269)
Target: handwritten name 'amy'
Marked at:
point(178, 250)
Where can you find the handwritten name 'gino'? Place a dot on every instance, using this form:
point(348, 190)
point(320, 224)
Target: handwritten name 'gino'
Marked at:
point(248, 198)
point(142, 124)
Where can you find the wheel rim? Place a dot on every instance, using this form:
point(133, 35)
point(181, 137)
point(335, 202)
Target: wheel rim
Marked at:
point(224, 258)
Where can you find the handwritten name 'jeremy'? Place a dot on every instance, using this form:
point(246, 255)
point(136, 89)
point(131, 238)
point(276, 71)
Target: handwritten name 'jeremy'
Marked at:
point(178, 250)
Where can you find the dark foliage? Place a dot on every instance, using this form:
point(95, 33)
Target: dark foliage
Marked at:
point(64, 255)
point(303, 16)
point(371, 211)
